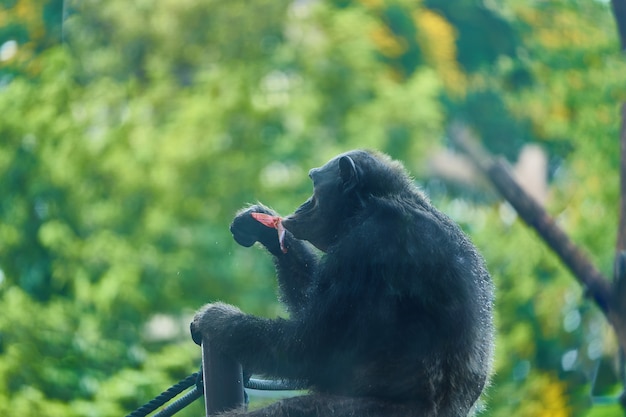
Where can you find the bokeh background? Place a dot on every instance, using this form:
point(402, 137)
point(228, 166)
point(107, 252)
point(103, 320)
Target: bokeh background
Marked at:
point(132, 131)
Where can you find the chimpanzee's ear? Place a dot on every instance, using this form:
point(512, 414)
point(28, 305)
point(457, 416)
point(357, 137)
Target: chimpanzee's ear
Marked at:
point(349, 173)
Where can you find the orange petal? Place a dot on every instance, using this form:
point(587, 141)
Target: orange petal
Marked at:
point(274, 222)
point(266, 219)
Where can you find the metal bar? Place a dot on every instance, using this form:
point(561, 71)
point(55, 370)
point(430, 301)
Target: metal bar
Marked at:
point(223, 381)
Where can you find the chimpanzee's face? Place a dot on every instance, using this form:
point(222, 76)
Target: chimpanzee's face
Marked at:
point(318, 219)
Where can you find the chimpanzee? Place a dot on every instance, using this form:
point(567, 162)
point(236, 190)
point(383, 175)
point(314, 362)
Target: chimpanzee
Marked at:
point(391, 317)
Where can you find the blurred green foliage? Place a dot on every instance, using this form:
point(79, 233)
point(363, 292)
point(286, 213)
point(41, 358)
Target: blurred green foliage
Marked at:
point(131, 132)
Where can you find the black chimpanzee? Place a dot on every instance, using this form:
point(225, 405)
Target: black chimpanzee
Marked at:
point(393, 319)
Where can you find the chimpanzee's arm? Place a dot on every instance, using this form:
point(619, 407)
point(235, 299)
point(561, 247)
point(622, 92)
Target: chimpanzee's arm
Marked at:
point(262, 346)
point(295, 269)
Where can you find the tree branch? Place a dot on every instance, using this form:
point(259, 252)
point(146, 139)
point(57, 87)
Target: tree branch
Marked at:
point(621, 236)
point(610, 298)
point(619, 11)
point(499, 173)
point(618, 302)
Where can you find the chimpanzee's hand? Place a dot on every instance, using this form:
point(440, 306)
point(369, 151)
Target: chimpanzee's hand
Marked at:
point(212, 321)
point(246, 230)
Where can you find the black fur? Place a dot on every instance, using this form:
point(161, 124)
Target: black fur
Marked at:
point(393, 319)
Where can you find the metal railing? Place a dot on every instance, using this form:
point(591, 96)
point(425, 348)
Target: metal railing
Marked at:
point(222, 379)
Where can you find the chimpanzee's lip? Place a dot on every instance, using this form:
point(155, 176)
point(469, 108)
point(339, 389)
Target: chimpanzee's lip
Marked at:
point(290, 223)
point(288, 219)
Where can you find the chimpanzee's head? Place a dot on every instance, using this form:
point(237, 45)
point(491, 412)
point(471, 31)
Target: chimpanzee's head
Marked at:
point(340, 189)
